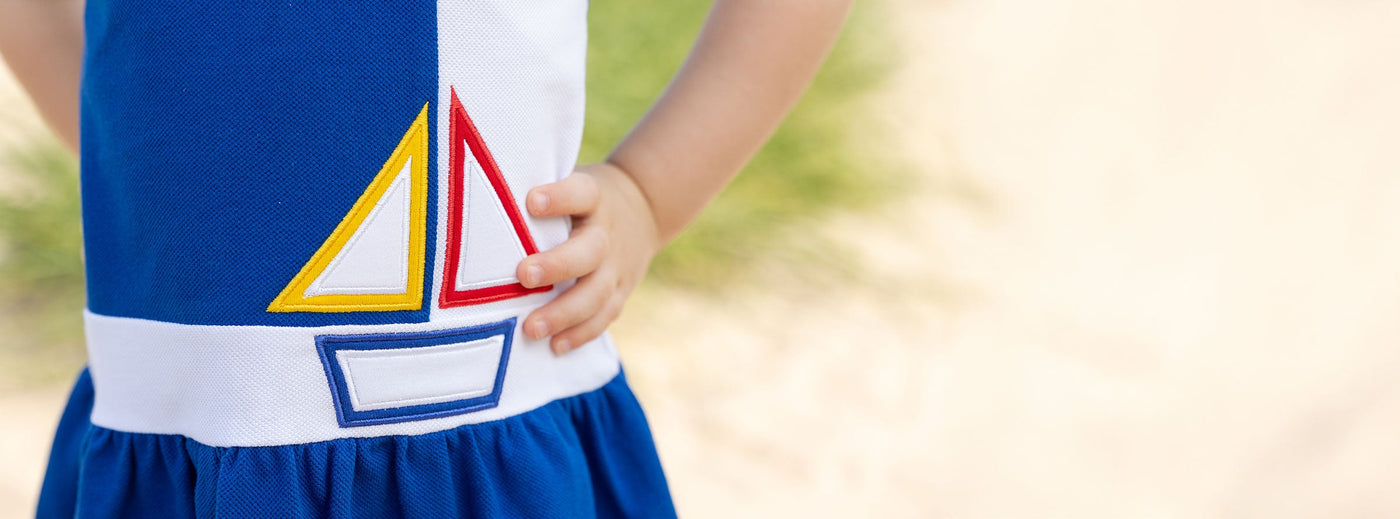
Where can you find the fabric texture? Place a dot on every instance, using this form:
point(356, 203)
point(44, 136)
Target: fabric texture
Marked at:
point(223, 143)
point(230, 153)
point(247, 386)
point(581, 457)
point(59, 494)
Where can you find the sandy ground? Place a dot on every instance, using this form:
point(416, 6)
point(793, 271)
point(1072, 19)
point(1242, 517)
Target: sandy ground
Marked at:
point(1151, 273)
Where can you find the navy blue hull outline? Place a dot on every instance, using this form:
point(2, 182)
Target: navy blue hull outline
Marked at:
point(347, 416)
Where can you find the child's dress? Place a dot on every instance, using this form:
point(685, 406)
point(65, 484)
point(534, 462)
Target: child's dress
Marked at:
point(302, 221)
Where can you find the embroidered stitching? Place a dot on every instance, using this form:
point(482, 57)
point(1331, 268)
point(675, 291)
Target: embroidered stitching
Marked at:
point(341, 385)
point(460, 130)
point(355, 238)
point(411, 151)
point(348, 368)
point(499, 211)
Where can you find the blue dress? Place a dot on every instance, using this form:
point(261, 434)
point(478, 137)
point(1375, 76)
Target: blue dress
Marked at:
point(301, 224)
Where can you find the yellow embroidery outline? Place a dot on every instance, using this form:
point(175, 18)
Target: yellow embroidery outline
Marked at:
point(294, 299)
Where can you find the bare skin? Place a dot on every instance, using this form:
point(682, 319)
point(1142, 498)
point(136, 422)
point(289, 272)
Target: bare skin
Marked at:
point(750, 64)
point(42, 43)
point(752, 61)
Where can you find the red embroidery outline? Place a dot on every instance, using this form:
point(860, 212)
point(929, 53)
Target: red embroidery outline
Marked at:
point(460, 128)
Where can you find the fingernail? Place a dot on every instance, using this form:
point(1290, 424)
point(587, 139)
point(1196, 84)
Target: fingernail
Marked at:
point(561, 346)
point(533, 274)
point(539, 329)
point(539, 203)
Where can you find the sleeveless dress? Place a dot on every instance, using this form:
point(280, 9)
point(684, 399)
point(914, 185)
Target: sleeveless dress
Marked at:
point(301, 223)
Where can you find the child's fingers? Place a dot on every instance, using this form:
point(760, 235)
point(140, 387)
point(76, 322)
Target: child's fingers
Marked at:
point(588, 330)
point(576, 194)
point(572, 307)
point(577, 256)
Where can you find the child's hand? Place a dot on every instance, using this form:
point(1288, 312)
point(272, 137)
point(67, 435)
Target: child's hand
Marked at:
point(613, 240)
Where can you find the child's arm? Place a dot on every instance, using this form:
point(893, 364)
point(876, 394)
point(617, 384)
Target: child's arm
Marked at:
point(42, 42)
point(752, 61)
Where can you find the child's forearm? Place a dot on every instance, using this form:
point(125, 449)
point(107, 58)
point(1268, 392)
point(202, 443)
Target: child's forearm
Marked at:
point(750, 64)
point(42, 42)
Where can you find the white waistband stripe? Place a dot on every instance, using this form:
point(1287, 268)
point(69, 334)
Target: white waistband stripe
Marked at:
point(265, 385)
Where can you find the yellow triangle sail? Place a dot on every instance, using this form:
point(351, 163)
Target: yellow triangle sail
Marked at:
point(327, 282)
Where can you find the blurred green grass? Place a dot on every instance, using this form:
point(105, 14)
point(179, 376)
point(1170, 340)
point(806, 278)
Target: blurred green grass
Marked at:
point(822, 159)
point(41, 270)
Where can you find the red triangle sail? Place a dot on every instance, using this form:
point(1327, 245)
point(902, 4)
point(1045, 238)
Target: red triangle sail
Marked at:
point(464, 135)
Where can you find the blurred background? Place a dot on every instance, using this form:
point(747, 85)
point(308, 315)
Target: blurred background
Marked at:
point(1089, 259)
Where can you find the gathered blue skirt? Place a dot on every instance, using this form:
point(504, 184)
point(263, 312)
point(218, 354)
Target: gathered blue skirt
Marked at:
point(585, 456)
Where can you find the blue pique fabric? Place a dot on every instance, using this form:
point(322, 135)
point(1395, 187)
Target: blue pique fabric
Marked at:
point(585, 456)
point(223, 141)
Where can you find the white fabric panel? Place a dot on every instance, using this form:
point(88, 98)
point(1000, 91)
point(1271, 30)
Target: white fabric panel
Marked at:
point(384, 379)
point(518, 68)
point(265, 385)
point(490, 248)
point(375, 258)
